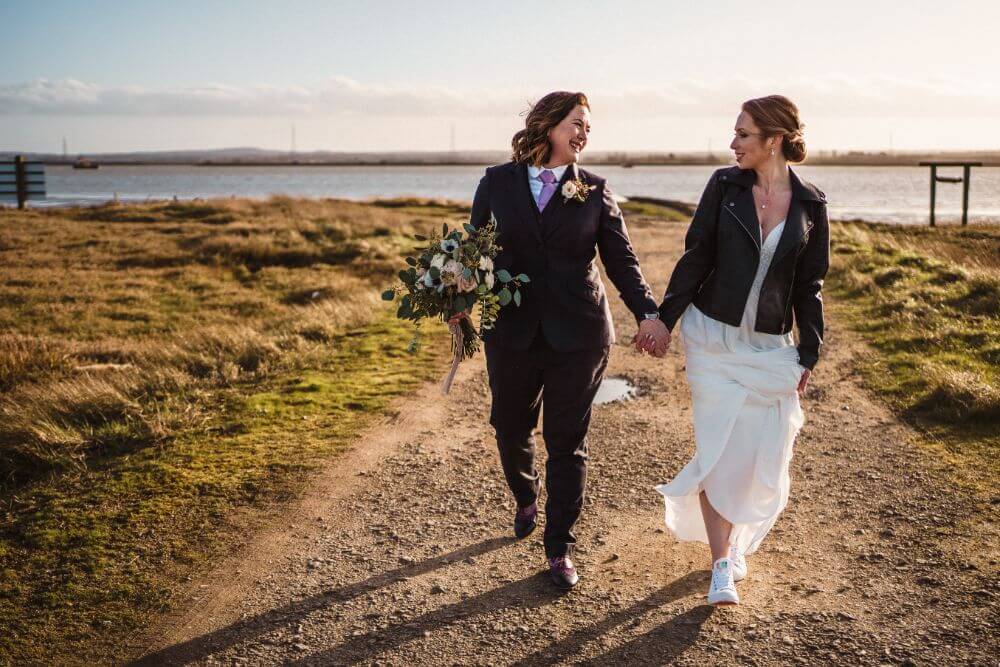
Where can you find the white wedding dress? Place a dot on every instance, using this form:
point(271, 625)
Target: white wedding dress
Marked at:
point(746, 416)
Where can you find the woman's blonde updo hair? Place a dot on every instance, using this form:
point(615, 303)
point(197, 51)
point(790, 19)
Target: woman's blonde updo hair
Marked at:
point(531, 145)
point(776, 115)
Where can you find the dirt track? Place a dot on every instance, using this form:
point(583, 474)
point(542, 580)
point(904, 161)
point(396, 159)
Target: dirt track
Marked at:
point(401, 553)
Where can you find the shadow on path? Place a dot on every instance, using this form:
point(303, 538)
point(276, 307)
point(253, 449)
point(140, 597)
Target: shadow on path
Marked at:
point(247, 629)
point(661, 645)
point(561, 651)
point(529, 593)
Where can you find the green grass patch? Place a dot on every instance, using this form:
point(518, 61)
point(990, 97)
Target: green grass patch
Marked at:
point(643, 209)
point(425, 206)
point(932, 314)
point(88, 559)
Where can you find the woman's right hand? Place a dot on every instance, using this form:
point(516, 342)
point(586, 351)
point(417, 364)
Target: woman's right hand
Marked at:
point(803, 381)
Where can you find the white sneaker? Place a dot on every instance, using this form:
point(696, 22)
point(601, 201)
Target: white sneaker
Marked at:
point(739, 564)
point(723, 589)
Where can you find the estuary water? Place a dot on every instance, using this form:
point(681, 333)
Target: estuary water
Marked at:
point(886, 194)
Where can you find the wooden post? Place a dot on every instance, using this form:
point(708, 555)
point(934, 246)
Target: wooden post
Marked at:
point(21, 179)
point(965, 194)
point(963, 179)
point(933, 190)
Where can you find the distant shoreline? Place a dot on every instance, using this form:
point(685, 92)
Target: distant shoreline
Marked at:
point(686, 163)
point(255, 157)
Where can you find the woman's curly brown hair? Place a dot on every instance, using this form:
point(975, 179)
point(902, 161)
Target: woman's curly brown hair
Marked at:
point(531, 145)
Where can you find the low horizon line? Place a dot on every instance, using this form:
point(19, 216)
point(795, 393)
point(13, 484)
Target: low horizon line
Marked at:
point(484, 151)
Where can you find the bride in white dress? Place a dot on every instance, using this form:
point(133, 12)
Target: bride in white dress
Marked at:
point(755, 255)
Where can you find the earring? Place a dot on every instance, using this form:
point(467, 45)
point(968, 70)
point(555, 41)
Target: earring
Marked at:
point(772, 152)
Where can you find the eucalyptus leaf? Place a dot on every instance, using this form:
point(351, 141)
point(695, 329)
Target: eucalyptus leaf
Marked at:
point(388, 295)
point(503, 275)
point(404, 276)
point(435, 272)
point(523, 277)
point(444, 230)
point(517, 297)
point(411, 261)
point(466, 273)
point(469, 228)
point(505, 296)
point(419, 237)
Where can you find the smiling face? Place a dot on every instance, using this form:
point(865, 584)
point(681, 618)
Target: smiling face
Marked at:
point(751, 148)
point(569, 137)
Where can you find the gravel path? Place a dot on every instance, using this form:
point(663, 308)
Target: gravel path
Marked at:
point(401, 553)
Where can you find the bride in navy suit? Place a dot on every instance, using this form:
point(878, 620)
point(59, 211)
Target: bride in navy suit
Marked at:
point(553, 220)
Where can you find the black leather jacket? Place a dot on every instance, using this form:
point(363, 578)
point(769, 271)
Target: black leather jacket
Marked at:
point(722, 251)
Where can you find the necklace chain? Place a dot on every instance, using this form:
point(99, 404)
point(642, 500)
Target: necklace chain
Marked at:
point(767, 197)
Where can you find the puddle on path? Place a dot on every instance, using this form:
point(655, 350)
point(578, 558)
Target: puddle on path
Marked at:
point(614, 389)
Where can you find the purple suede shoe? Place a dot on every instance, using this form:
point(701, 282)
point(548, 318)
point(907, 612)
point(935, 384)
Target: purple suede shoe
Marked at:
point(525, 520)
point(563, 573)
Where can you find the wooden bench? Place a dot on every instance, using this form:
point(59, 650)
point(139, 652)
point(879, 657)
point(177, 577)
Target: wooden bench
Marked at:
point(963, 179)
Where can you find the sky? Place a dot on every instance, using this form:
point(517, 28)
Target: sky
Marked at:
point(383, 76)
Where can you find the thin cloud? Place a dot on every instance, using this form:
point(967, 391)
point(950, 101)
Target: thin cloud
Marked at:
point(828, 96)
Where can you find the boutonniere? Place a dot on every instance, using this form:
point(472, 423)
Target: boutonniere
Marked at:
point(576, 190)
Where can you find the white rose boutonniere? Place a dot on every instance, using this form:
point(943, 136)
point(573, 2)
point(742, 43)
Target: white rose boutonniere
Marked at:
point(576, 190)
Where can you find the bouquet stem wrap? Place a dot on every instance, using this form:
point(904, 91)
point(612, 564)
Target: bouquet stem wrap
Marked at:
point(458, 348)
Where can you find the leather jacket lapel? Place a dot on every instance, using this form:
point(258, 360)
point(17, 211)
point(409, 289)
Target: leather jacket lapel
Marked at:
point(797, 222)
point(741, 210)
point(797, 225)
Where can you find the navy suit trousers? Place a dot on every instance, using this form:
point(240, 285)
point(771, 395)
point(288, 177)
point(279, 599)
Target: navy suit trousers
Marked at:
point(522, 381)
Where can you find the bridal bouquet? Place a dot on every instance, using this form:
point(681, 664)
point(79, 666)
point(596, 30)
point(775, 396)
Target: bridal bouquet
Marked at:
point(453, 273)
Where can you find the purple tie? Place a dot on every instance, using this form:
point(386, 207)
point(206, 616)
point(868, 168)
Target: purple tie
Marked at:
point(548, 188)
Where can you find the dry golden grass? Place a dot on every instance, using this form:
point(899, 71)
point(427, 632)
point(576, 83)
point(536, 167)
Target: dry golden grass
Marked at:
point(110, 312)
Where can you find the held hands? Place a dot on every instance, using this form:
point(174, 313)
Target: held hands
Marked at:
point(653, 337)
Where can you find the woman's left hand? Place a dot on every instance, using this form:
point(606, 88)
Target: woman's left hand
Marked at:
point(803, 381)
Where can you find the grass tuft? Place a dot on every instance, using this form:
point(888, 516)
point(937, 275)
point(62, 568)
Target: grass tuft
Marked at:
point(928, 300)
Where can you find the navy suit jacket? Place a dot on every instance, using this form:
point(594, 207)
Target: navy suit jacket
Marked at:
point(557, 249)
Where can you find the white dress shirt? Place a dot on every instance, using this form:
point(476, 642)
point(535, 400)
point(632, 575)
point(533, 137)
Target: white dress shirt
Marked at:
point(536, 184)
